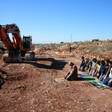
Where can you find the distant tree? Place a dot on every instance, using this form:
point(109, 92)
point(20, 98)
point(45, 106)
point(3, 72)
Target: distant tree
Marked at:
point(95, 40)
point(61, 42)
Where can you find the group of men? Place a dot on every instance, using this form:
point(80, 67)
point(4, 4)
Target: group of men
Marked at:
point(102, 69)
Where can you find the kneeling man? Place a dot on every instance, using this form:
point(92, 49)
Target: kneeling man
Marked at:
point(72, 74)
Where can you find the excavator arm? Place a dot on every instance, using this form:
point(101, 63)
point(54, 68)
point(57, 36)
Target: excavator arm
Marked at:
point(4, 37)
point(14, 30)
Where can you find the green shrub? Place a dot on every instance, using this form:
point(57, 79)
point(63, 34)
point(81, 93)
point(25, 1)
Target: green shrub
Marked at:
point(95, 40)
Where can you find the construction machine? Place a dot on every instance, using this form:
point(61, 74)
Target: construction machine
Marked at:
point(16, 48)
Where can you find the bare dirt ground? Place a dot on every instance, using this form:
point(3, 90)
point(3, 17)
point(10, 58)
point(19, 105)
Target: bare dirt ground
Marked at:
point(31, 87)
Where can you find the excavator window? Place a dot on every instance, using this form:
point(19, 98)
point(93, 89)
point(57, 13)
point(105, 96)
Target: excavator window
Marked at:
point(26, 43)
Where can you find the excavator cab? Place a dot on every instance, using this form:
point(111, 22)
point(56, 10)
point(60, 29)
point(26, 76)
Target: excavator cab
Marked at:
point(27, 43)
point(27, 46)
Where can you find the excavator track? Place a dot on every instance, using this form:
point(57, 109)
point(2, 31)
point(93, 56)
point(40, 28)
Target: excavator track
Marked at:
point(30, 56)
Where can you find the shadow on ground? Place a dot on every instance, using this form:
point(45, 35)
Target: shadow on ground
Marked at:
point(56, 64)
point(1, 78)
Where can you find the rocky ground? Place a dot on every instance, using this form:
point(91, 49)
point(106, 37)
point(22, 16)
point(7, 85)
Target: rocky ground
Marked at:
point(31, 86)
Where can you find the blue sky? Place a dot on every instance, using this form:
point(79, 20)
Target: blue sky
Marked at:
point(55, 20)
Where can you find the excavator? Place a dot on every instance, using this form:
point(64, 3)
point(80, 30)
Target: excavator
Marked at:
point(16, 48)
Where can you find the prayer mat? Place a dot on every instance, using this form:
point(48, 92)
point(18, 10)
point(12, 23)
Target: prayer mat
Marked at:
point(95, 82)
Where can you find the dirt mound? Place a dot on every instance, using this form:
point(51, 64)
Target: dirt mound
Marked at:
point(41, 49)
point(65, 47)
point(74, 46)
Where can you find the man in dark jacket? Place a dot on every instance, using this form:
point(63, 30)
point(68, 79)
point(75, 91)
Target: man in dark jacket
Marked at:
point(82, 65)
point(72, 74)
point(101, 71)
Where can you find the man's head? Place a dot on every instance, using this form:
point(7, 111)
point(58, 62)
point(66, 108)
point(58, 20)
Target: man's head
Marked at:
point(86, 60)
point(82, 57)
point(107, 61)
point(94, 60)
point(110, 63)
point(102, 62)
point(71, 64)
point(98, 62)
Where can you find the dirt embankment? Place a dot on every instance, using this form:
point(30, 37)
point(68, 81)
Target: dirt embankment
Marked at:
point(101, 50)
point(31, 86)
